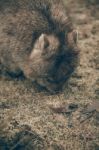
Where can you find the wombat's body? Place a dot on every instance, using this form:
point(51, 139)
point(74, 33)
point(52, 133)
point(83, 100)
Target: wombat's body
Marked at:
point(23, 25)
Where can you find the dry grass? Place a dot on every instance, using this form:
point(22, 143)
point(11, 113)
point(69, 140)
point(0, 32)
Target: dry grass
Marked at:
point(21, 105)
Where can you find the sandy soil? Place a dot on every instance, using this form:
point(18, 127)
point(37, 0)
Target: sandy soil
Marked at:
point(26, 120)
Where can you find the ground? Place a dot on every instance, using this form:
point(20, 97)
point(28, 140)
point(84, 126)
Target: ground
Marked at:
point(26, 119)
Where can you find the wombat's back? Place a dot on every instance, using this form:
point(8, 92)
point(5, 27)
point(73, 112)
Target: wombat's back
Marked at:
point(18, 32)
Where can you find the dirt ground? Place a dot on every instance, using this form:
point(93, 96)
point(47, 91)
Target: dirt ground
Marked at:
point(26, 120)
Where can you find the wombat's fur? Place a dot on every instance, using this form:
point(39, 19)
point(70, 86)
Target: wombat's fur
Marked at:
point(33, 38)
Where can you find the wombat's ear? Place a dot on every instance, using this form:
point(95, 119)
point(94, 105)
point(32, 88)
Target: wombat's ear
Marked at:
point(44, 41)
point(40, 46)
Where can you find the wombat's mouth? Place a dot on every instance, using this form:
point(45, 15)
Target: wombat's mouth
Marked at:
point(55, 81)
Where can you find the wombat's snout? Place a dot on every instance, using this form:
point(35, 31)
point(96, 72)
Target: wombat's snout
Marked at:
point(55, 75)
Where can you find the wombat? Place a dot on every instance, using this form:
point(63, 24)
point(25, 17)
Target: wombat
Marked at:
point(37, 40)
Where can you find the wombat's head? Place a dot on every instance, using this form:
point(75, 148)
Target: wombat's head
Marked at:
point(49, 64)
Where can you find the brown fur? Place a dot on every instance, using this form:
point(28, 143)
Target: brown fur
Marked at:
point(28, 24)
